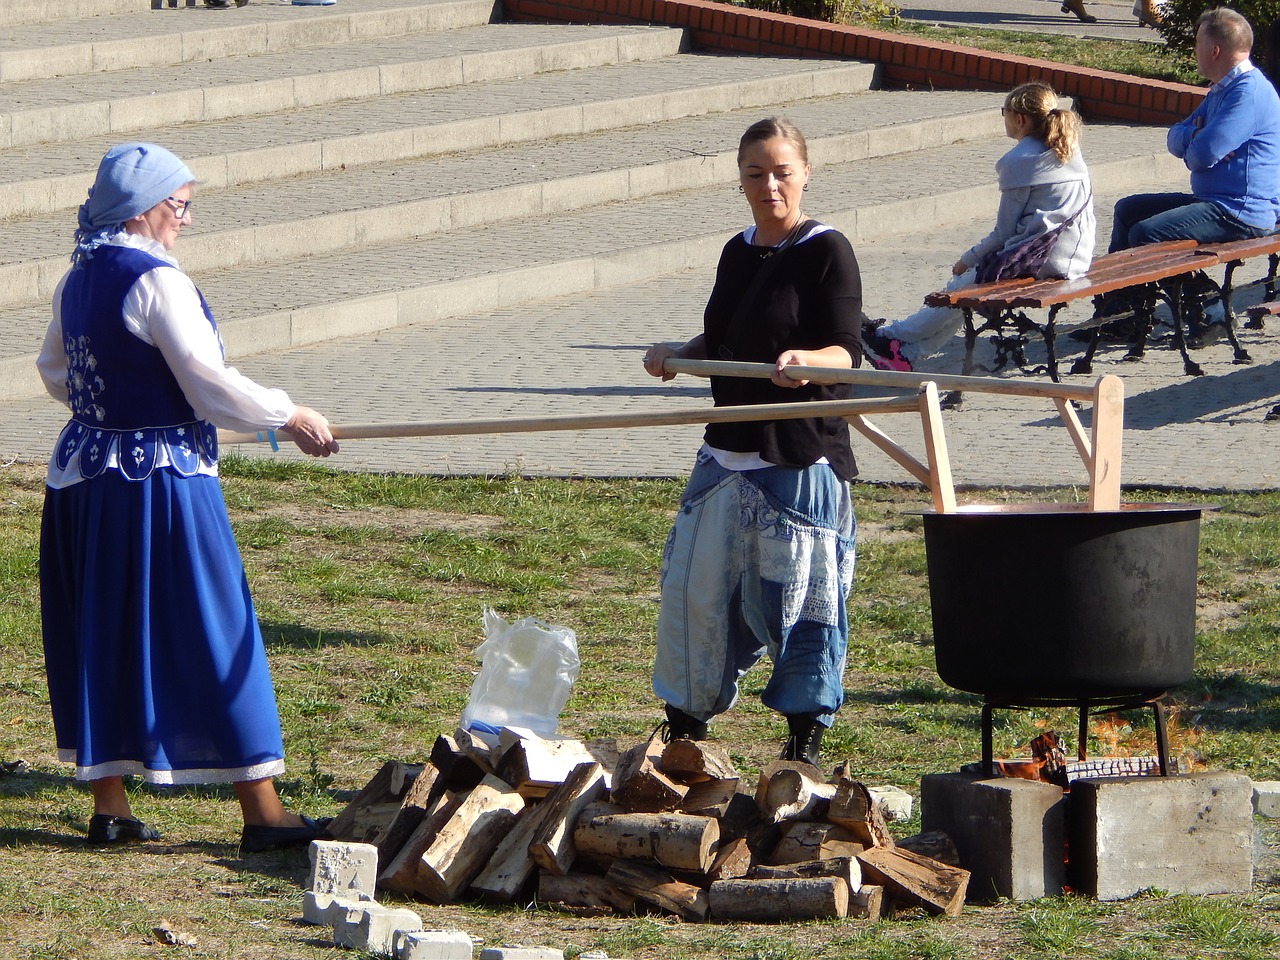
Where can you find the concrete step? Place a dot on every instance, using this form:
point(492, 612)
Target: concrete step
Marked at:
point(466, 117)
point(328, 211)
point(15, 13)
point(275, 304)
point(125, 102)
point(82, 42)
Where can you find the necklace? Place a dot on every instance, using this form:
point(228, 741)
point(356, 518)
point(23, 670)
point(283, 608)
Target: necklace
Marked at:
point(788, 240)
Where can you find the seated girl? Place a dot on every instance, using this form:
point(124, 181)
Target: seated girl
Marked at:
point(1044, 187)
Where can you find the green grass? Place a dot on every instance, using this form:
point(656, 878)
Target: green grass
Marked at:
point(371, 589)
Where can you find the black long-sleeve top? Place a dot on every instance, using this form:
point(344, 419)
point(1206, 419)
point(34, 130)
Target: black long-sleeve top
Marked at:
point(812, 300)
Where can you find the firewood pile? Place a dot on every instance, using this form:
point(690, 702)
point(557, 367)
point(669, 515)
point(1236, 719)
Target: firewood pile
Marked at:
point(665, 825)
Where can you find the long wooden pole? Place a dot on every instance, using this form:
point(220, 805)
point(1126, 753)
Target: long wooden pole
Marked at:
point(593, 421)
point(886, 378)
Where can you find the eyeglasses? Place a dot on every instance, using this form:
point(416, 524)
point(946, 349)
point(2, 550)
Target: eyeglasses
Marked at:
point(183, 206)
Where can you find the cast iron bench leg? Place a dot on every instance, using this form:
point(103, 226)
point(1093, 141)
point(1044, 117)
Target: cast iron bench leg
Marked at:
point(1047, 333)
point(1189, 366)
point(1239, 353)
point(1144, 315)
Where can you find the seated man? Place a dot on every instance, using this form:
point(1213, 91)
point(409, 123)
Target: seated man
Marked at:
point(1230, 143)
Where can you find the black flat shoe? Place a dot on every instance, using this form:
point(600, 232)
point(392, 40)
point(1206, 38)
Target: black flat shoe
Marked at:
point(256, 838)
point(107, 829)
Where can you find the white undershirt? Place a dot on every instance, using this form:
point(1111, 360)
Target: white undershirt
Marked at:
point(163, 309)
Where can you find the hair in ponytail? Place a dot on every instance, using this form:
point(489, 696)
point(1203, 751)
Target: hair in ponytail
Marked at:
point(1059, 129)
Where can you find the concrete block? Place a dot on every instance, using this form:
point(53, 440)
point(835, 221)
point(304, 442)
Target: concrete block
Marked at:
point(895, 801)
point(373, 928)
point(323, 909)
point(432, 945)
point(1010, 834)
point(1188, 834)
point(521, 953)
point(1266, 798)
point(343, 869)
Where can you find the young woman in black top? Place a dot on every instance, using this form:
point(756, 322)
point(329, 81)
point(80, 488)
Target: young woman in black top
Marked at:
point(761, 554)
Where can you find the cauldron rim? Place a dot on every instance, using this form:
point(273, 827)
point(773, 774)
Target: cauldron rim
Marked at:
point(1063, 509)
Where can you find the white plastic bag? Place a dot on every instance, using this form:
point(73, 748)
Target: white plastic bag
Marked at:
point(527, 671)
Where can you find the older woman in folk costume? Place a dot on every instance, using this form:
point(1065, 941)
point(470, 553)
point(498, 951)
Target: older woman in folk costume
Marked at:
point(761, 554)
point(155, 663)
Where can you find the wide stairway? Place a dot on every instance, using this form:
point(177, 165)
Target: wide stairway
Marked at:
point(410, 209)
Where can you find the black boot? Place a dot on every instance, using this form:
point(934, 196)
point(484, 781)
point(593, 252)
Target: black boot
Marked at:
point(804, 740)
point(681, 726)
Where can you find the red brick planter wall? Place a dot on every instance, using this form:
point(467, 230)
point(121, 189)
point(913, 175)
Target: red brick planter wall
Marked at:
point(906, 62)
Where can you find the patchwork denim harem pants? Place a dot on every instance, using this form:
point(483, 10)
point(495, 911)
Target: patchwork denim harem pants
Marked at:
point(756, 560)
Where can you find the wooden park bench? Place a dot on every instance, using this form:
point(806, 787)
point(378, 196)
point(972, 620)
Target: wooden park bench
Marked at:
point(1154, 272)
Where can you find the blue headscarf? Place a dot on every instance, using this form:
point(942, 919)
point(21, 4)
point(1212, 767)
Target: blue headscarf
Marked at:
point(132, 178)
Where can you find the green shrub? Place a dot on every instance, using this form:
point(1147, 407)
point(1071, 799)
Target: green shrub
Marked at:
point(1180, 16)
point(867, 13)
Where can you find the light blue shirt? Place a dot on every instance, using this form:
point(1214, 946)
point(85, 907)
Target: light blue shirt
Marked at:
point(1231, 145)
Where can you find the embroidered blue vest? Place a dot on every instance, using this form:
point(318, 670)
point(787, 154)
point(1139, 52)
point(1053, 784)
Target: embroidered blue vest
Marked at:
point(120, 389)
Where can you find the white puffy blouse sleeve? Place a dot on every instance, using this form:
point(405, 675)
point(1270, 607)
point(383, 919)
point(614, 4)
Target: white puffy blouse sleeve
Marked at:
point(163, 309)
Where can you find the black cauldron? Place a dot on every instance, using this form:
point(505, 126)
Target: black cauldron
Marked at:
point(1050, 602)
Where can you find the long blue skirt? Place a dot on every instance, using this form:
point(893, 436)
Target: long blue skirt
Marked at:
point(155, 663)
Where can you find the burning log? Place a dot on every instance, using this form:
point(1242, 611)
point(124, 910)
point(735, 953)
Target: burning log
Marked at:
point(675, 840)
point(660, 889)
point(919, 881)
point(818, 898)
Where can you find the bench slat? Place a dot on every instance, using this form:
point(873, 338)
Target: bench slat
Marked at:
point(1243, 249)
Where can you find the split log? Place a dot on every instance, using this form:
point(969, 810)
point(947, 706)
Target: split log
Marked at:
point(675, 840)
point(868, 903)
point(709, 798)
point(846, 868)
point(916, 880)
point(933, 844)
point(818, 898)
point(375, 805)
point(551, 846)
point(787, 791)
point(584, 892)
point(692, 761)
point(732, 861)
point(854, 808)
point(535, 765)
point(426, 787)
point(640, 785)
point(538, 835)
point(458, 771)
point(803, 840)
point(465, 843)
point(401, 873)
point(660, 889)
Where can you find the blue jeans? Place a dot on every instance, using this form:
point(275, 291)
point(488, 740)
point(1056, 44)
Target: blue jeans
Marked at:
point(1155, 217)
